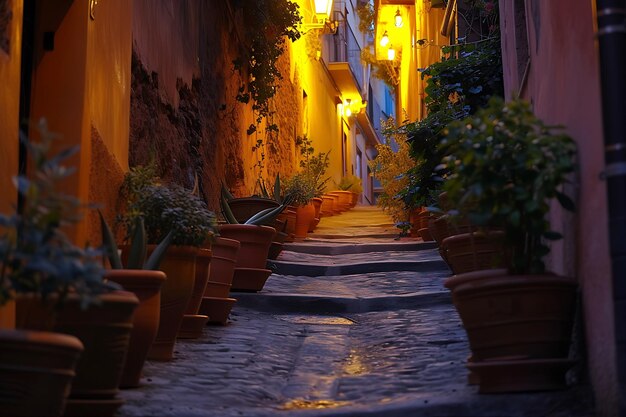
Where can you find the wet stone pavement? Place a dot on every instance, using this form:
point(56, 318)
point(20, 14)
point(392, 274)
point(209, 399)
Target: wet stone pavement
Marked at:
point(384, 341)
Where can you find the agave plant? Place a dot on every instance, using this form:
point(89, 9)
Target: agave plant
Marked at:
point(263, 217)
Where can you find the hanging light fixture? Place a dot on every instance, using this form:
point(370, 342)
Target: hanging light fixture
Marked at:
point(347, 110)
point(384, 41)
point(391, 53)
point(398, 19)
point(323, 8)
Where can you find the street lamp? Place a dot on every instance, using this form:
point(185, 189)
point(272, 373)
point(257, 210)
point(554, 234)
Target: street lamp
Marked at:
point(391, 53)
point(384, 41)
point(322, 10)
point(398, 19)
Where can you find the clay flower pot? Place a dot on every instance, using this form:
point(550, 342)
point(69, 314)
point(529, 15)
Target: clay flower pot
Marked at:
point(476, 251)
point(519, 327)
point(146, 285)
point(225, 252)
point(344, 199)
point(179, 264)
point(326, 208)
point(317, 203)
point(104, 329)
point(250, 273)
point(355, 199)
point(217, 308)
point(255, 243)
point(304, 216)
point(36, 370)
point(193, 323)
point(244, 208)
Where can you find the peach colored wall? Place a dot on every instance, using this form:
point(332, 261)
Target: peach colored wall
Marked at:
point(84, 84)
point(9, 127)
point(563, 87)
point(58, 90)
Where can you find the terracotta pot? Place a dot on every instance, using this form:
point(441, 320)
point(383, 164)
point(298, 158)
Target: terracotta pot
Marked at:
point(414, 215)
point(317, 203)
point(355, 198)
point(304, 216)
point(104, 330)
point(521, 375)
point(425, 234)
point(275, 250)
point(474, 251)
point(146, 285)
point(7, 315)
point(255, 243)
point(217, 289)
point(36, 370)
point(244, 208)
point(193, 323)
point(225, 252)
point(192, 326)
point(217, 308)
point(290, 229)
point(344, 200)
point(250, 279)
point(326, 208)
point(179, 264)
point(515, 316)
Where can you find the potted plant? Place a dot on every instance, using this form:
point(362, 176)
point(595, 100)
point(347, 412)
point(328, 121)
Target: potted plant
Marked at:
point(506, 167)
point(352, 184)
point(255, 238)
point(168, 208)
point(302, 190)
point(142, 277)
point(56, 285)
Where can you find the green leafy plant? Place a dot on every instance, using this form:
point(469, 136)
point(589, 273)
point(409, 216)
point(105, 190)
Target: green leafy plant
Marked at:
point(300, 188)
point(267, 25)
point(263, 217)
point(313, 166)
point(36, 257)
point(138, 247)
point(505, 166)
point(351, 183)
point(166, 208)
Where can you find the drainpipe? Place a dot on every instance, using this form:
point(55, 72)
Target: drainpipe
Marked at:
point(611, 15)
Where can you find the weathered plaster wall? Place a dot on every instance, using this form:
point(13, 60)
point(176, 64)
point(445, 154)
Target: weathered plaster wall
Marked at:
point(183, 108)
point(10, 55)
point(563, 86)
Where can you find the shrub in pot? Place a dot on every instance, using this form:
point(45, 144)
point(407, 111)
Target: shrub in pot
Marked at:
point(52, 281)
point(168, 208)
point(302, 190)
point(506, 167)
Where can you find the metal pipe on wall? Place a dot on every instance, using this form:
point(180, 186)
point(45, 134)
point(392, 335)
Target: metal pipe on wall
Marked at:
point(611, 17)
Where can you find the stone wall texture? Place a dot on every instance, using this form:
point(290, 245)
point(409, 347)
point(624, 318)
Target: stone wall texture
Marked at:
point(184, 114)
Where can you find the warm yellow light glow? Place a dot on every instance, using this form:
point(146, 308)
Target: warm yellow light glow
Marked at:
point(391, 54)
point(323, 8)
point(398, 19)
point(347, 111)
point(384, 41)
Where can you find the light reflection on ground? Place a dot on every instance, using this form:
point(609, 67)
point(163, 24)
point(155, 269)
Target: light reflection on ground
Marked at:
point(300, 404)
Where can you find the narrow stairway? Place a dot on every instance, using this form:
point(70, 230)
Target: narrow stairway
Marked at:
point(353, 321)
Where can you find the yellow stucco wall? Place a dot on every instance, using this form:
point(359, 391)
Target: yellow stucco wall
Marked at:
point(9, 128)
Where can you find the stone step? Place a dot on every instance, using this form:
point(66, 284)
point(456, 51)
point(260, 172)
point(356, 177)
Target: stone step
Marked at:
point(322, 247)
point(316, 270)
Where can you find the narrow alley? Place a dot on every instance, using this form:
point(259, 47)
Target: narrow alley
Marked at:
point(353, 322)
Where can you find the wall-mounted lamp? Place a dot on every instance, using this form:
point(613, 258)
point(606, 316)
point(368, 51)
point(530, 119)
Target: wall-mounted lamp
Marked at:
point(391, 53)
point(398, 19)
point(347, 111)
point(322, 14)
point(384, 41)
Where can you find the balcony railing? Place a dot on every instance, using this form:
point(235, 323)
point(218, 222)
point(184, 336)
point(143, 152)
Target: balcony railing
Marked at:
point(343, 47)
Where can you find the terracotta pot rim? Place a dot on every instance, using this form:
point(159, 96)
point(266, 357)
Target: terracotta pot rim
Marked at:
point(242, 199)
point(493, 278)
point(227, 299)
point(222, 258)
point(173, 250)
point(137, 274)
point(490, 235)
point(40, 337)
point(204, 253)
point(218, 283)
point(253, 269)
point(227, 242)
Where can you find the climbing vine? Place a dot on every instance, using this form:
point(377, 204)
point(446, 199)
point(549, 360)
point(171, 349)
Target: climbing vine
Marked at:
point(267, 26)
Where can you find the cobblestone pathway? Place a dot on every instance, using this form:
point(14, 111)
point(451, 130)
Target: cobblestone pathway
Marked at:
point(383, 341)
